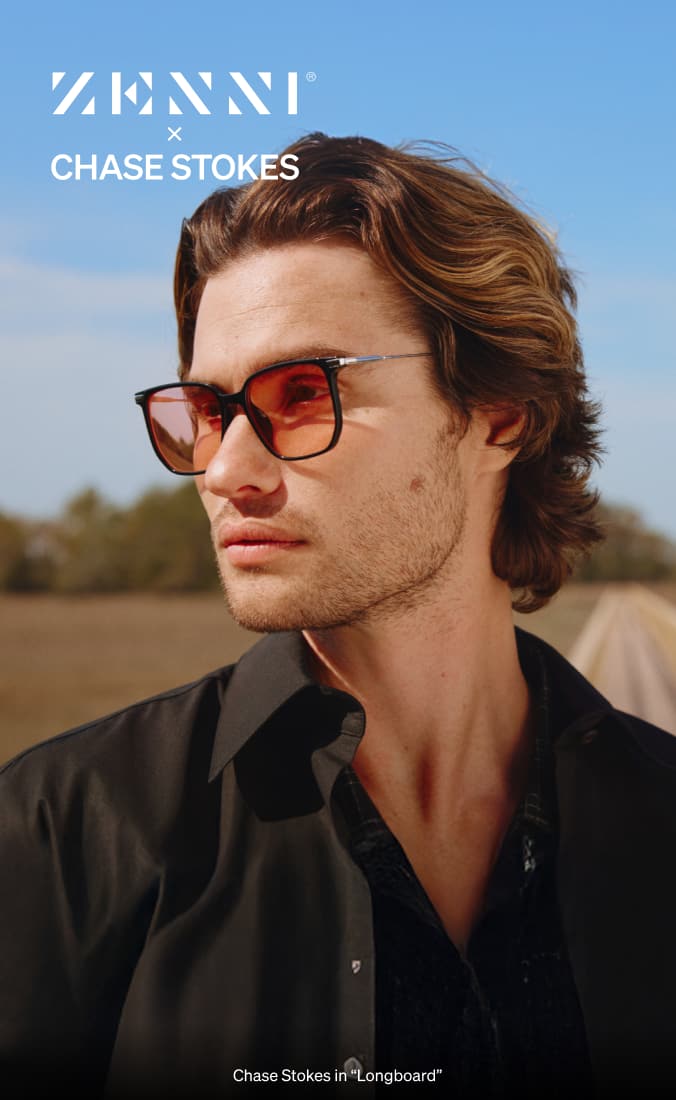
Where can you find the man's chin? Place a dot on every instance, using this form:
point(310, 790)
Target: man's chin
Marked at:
point(263, 623)
point(261, 609)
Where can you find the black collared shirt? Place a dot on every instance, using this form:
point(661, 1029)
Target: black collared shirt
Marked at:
point(178, 902)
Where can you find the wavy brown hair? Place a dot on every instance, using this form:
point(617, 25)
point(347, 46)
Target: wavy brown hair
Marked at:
point(490, 290)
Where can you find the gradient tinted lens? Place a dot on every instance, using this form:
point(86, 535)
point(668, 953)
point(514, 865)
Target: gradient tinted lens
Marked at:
point(185, 422)
point(292, 409)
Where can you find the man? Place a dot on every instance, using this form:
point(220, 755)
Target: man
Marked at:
point(398, 842)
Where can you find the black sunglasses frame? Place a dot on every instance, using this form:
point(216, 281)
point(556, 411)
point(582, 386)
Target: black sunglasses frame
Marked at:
point(330, 365)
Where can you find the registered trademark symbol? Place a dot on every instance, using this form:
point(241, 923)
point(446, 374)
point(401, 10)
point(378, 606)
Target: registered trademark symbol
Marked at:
point(311, 77)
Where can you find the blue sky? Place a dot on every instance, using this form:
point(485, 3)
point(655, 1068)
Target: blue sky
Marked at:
point(571, 106)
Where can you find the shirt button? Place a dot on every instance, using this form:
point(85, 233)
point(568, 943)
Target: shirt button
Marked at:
point(356, 966)
point(352, 1067)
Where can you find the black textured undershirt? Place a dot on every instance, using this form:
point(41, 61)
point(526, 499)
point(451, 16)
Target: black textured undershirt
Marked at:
point(504, 1020)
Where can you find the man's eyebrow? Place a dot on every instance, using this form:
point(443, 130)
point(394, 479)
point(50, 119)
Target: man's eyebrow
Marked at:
point(309, 351)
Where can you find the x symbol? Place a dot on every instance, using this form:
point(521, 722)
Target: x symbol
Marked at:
point(174, 133)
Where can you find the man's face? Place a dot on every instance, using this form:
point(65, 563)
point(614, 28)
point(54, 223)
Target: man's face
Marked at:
point(371, 527)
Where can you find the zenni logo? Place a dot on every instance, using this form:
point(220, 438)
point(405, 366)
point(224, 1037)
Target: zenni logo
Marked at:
point(234, 92)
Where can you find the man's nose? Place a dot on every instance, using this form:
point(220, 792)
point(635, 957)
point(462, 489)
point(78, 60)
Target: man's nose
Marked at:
point(242, 466)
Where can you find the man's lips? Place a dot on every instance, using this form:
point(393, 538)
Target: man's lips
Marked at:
point(254, 535)
point(254, 543)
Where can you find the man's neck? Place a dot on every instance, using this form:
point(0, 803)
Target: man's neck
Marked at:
point(446, 703)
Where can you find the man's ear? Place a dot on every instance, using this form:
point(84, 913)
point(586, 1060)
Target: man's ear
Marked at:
point(495, 428)
point(504, 424)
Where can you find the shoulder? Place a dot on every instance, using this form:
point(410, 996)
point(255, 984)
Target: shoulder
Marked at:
point(142, 751)
point(654, 743)
point(580, 714)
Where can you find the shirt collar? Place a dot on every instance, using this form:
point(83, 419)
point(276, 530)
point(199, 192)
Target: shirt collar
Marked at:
point(276, 670)
point(263, 683)
point(573, 704)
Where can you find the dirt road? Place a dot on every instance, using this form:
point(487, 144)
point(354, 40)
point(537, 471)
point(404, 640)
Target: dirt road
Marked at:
point(628, 650)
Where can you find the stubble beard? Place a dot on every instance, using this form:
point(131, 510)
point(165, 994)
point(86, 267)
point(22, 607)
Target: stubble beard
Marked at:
point(390, 561)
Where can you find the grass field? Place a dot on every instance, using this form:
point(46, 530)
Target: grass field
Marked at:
point(67, 660)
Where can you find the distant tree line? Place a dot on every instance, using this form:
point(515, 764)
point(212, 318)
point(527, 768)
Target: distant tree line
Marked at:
point(631, 551)
point(161, 543)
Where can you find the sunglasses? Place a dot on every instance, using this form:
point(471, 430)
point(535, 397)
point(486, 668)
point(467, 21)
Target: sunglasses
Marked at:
point(293, 407)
